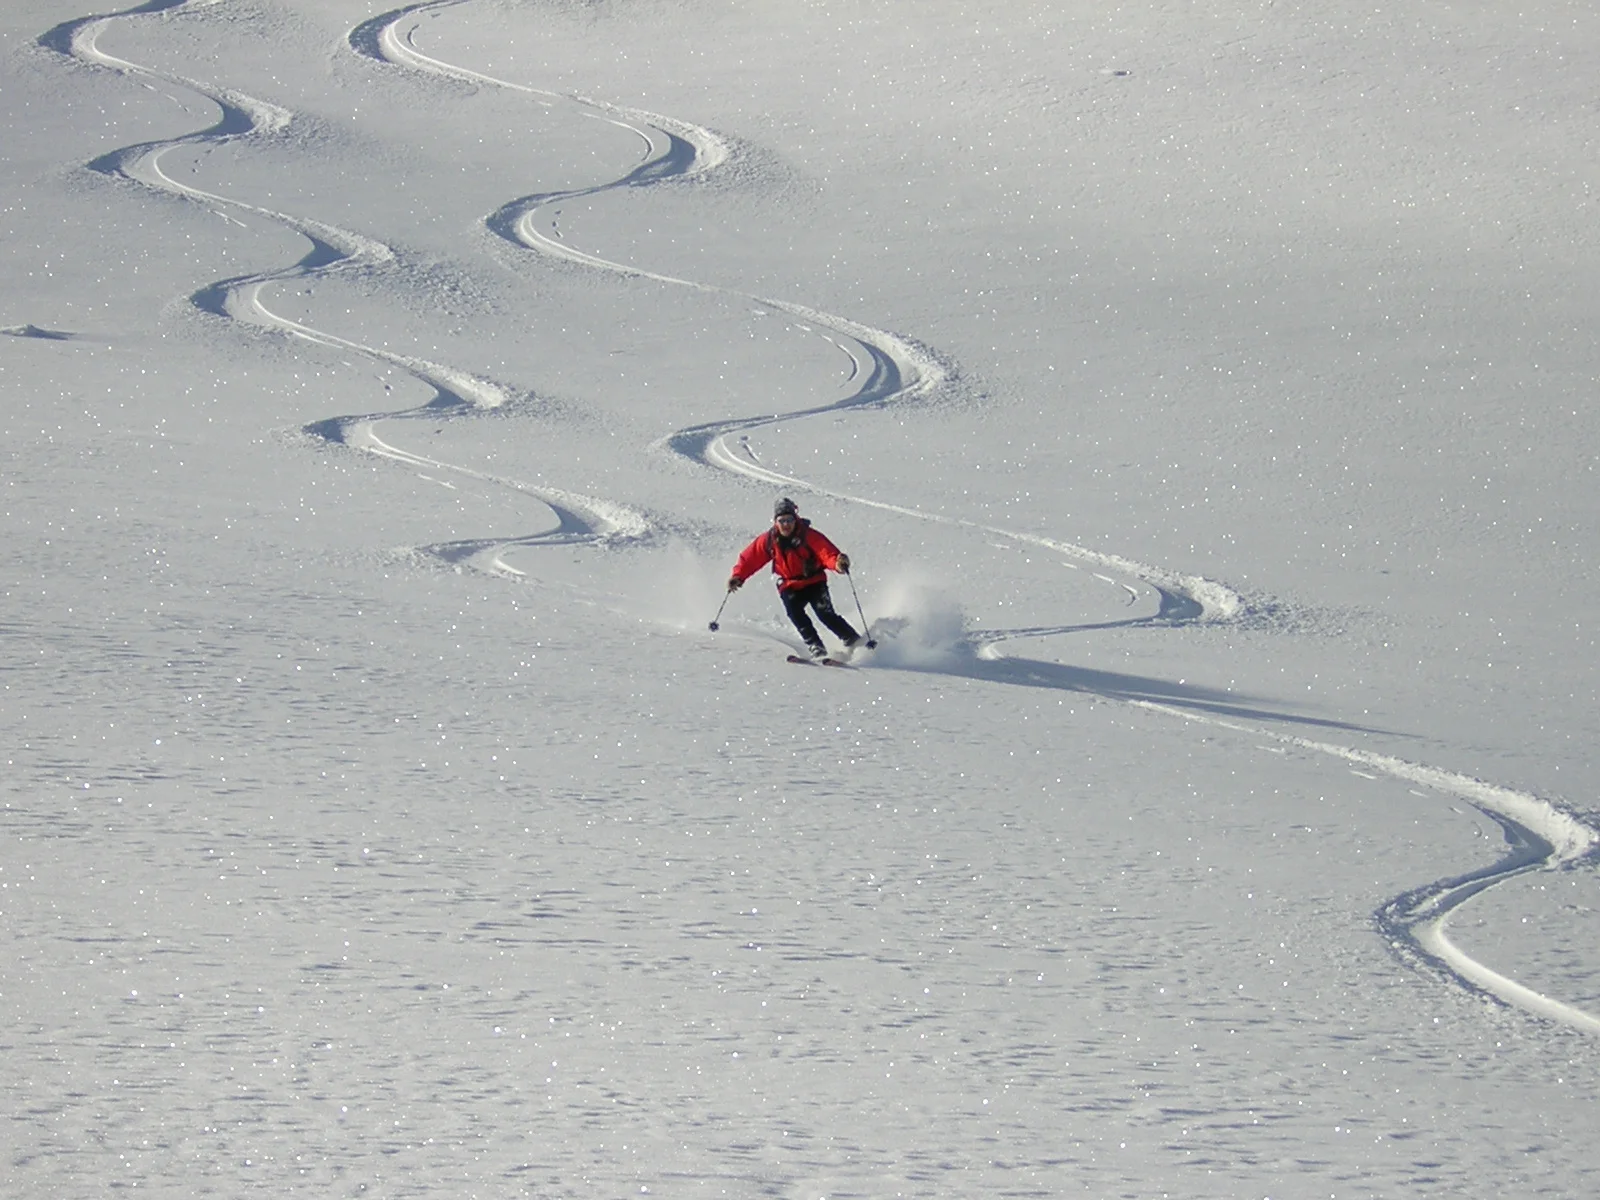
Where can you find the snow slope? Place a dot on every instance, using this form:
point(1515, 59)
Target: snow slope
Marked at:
point(1202, 397)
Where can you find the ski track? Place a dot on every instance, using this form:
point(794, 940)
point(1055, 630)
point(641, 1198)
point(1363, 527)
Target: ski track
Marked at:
point(891, 369)
point(581, 519)
point(897, 371)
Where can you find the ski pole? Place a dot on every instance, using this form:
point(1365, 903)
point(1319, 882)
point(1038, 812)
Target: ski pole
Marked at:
point(871, 641)
point(720, 607)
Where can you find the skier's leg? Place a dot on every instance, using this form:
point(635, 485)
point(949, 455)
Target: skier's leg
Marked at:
point(794, 603)
point(842, 629)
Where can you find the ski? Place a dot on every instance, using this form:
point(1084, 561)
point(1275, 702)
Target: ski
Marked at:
point(817, 662)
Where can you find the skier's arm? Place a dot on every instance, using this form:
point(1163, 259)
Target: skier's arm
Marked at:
point(827, 553)
point(751, 559)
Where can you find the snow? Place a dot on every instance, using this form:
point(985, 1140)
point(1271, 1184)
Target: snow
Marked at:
point(1204, 397)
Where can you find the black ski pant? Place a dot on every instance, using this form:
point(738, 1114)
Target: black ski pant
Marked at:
point(815, 596)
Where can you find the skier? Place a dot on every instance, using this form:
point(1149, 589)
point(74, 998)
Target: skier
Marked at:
point(800, 557)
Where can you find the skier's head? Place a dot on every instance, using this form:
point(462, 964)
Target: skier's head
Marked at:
point(785, 509)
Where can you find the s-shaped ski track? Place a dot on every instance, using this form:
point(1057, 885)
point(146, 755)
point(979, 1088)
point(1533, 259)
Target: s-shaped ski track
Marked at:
point(903, 372)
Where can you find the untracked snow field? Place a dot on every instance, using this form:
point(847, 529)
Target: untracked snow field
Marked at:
point(1205, 395)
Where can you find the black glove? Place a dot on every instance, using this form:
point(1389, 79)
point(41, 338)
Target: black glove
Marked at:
point(735, 583)
point(844, 564)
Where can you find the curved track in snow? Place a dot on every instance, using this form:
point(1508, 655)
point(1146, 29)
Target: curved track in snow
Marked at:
point(893, 370)
point(890, 369)
point(332, 251)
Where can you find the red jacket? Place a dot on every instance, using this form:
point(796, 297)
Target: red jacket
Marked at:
point(798, 560)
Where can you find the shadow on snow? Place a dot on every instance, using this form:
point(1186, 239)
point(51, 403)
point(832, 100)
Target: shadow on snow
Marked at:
point(1118, 685)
